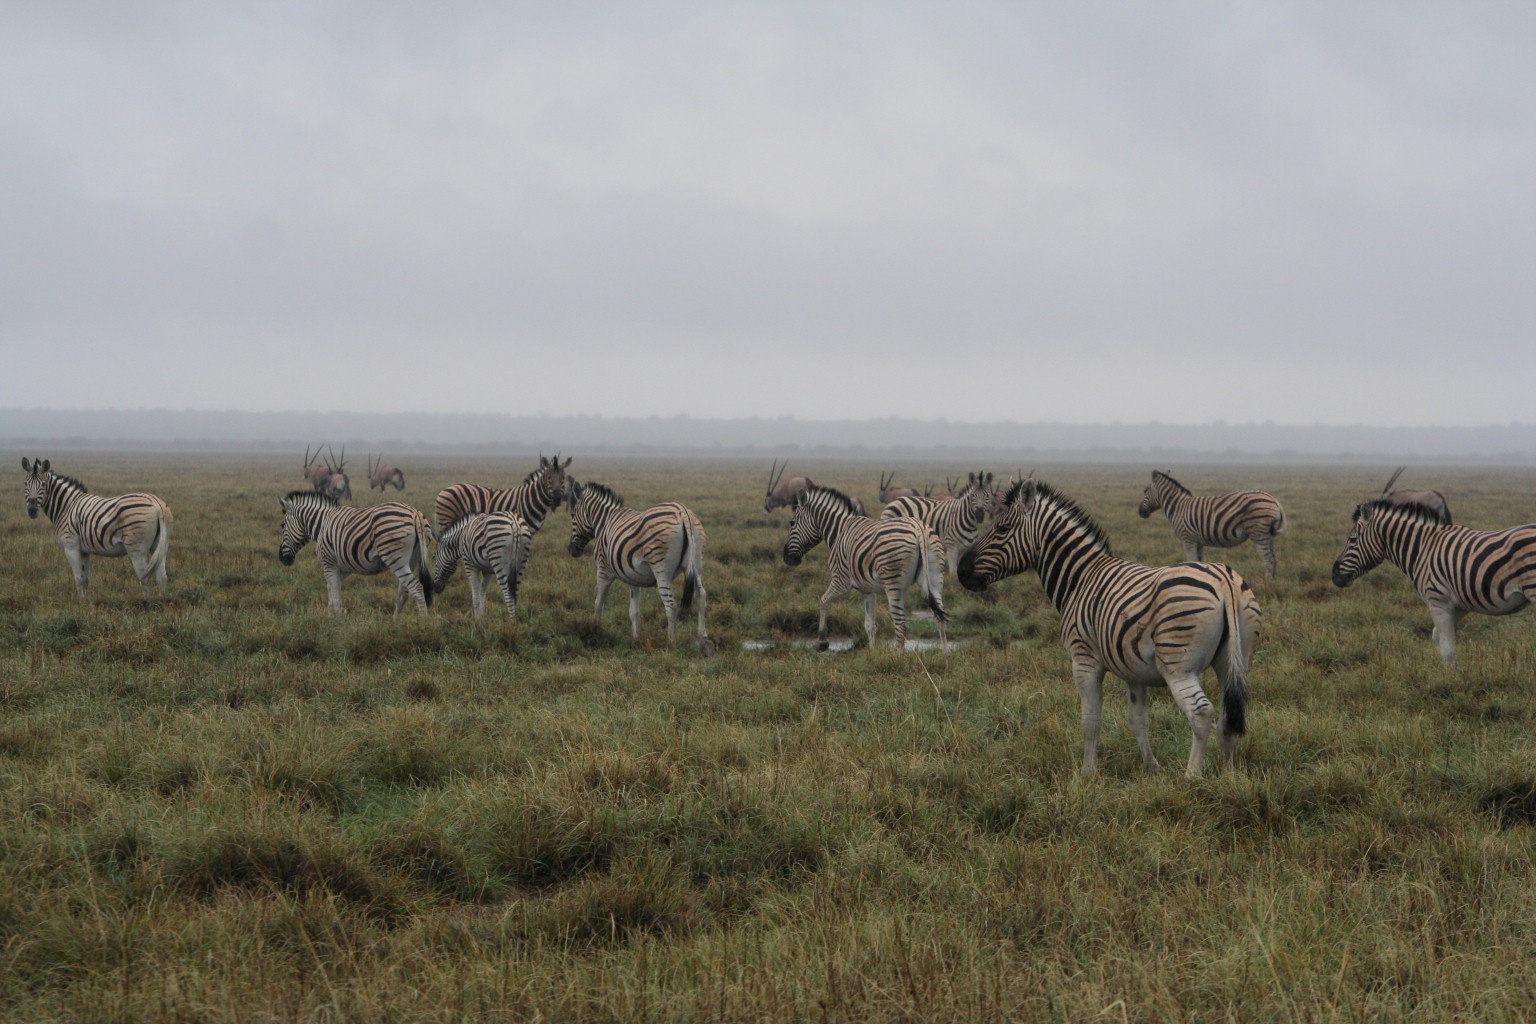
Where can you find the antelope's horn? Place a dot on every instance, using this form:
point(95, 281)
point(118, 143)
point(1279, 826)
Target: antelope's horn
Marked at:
point(1385, 490)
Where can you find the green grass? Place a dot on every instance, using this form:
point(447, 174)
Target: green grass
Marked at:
point(228, 805)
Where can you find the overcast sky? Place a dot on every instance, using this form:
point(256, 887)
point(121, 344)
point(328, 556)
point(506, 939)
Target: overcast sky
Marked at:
point(1071, 212)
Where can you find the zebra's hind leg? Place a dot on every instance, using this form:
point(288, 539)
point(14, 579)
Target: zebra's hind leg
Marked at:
point(668, 605)
point(79, 567)
point(896, 602)
point(1266, 547)
point(1444, 633)
point(410, 587)
point(1197, 708)
point(869, 618)
point(476, 590)
point(634, 614)
point(508, 584)
point(1136, 696)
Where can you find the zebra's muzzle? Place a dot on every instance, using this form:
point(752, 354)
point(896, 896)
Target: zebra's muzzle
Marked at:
point(285, 556)
point(791, 557)
point(31, 511)
point(1342, 577)
point(577, 547)
point(969, 578)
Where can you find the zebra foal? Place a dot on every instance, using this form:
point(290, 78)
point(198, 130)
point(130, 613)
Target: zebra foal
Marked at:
point(136, 525)
point(641, 548)
point(1455, 570)
point(491, 545)
point(1148, 625)
point(887, 554)
point(1216, 520)
point(955, 519)
point(359, 541)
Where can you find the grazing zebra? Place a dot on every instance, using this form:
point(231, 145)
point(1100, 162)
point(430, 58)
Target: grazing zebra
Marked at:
point(1149, 625)
point(1454, 569)
point(490, 544)
point(351, 541)
point(541, 490)
point(136, 525)
point(957, 520)
point(1216, 520)
point(887, 554)
point(649, 548)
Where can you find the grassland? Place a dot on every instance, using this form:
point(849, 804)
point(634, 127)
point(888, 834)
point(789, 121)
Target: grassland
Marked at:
point(230, 806)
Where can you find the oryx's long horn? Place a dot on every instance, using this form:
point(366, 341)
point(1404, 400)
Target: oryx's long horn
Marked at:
point(775, 473)
point(1387, 489)
point(307, 460)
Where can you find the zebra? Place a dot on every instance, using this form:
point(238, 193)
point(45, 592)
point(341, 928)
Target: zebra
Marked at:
point(352, 541)
point(887, 554)
point(649, 548)
point(1148, 625)
point(490, 544)
point(1455, 569)
point(957, 520)
point(136, 525)
point(541, 490)
point(1217, 520)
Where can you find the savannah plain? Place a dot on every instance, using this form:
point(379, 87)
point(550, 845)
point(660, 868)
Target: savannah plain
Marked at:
point(228, 805)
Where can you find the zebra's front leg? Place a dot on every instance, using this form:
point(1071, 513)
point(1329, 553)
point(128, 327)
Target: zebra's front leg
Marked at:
point(333, 591)
point(834, 592)
point(1444, 633)
point(1194, 551)
point(1136, 696)
point(1089, 677)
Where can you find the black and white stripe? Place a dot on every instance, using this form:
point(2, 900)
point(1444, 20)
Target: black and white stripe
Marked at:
point(957, 520)
point(360, 541)
point(871, 556)
point(492, 545)
point(1150, 626)
point(136, 525)
point(648, 548)
point(1455, 570)
point(1216, 520)
point(541, 491)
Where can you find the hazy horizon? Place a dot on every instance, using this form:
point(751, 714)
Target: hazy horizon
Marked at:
point(1300, 213)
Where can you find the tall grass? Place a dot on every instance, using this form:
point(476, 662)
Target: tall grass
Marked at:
point(229, 805)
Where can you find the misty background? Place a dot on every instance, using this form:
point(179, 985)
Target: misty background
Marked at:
point(792, 224)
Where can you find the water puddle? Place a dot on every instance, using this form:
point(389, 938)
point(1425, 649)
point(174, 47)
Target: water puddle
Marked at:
point(841, 645)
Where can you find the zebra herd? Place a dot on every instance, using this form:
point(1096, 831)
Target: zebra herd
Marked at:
point(1147, 625)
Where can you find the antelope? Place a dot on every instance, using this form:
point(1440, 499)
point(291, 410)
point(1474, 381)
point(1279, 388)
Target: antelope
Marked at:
point(381, 476)
point(888, 493)
point(329, 479)
point(782, 495)
point(1432, 500)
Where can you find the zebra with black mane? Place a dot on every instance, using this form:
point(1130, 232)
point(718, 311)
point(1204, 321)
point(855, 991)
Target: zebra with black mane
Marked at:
point(871, 556)
point(492, 545)
point(136, 525)
point(541, 491)
point(1455, 570)
point(1148, 625)
point(956, 519)
point(359, 541)
point(641, 548)
point(1216, 520)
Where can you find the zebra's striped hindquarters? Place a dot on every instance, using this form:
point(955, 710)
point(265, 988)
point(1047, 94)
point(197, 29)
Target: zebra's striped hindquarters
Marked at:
point(492, 545)
point(365, 541)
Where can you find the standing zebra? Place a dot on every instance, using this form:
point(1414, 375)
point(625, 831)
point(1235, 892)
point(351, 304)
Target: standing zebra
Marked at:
point(136, 525)
point(490, 544)
point(359, 541)
point(1216, 520)
point(1454, 569)
point(541, 490)
point(1151, 626)
point(869, 555)
point(957, 520)
point(649, 548)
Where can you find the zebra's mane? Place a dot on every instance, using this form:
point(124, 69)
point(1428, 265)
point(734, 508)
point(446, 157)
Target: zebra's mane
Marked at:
point(832, 494)
point(1080, 521)
point(1415, 510)
point(603, 491)
point(71, 481)
point(301, 493)
point(1158, 474)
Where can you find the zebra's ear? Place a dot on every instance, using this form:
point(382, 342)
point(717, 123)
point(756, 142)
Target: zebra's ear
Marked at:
point(46, 463)
point(24, 465)
point(567, 461)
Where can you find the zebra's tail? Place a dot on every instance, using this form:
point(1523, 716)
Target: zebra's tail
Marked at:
point(930, 573)
point(1234, 681)
point(160, 549)
point(423, 562)
point(1278, 526)
point(692, 560)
